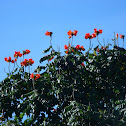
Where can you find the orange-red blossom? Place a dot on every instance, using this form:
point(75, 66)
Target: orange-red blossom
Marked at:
point(103, 48)
point(36, 76)
point(97, 50)
point(78, 47)
point(26, 52)
point(17, 54)
point(66, 47)
point(10, 60)
point(87, 35)
point(48, 33)
point(27, 62)
point(70, 33)
point(66, 52)
point(117, 35)
point(122, 36)
point(97, 32)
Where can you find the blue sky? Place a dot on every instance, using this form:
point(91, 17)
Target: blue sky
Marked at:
point(24, 22)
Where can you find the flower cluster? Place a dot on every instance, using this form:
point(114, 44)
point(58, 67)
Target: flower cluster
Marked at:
point(103, 48)
point(70, 33)
point(26, 52)
point(97, 32)
point(27, 62)
point(10, 60)
point(87, 35)
point(78, 47)
point(66, 47)
point(36, 76)
point(48, 33)
point(121, 36)
point(17, 54)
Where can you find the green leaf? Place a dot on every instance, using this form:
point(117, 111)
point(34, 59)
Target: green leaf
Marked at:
point(39, 68)
point(21, 115)
point(96, 47)
point(45, 51)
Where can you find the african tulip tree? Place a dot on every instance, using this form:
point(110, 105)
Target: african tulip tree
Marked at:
point(78, 88)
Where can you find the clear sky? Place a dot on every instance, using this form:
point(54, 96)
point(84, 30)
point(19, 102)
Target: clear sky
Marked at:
point(24, 22)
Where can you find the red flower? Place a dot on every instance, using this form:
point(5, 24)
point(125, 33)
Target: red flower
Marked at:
point(70, 33)
point(117, 35)
point(48, 33)
point(15, 60)
point(75, 32)
point(95, 30)
point(103, 48)
point(27, 62)
point(100, 31)
point(31, 61)
point(97, 50)
point(12, 61)
point(82, 48)
point(93, 35)
point(78, 47)
point(6, 59)
point(26, 52)
point(37, 76)
point(9, 59)
point(66, 52)
point(122, 67)
point(65, 47)
point(17, 54)
point(70, 36)
point(82, 64)
point(87, 35)
point(24, 63)
point(122, 36)
point(32, 76)
point(51, 58)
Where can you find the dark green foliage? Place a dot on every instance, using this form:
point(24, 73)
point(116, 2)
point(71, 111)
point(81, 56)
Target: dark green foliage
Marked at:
point(89, 95)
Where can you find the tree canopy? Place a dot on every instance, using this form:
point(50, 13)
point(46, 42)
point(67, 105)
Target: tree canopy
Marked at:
point(77, 88)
